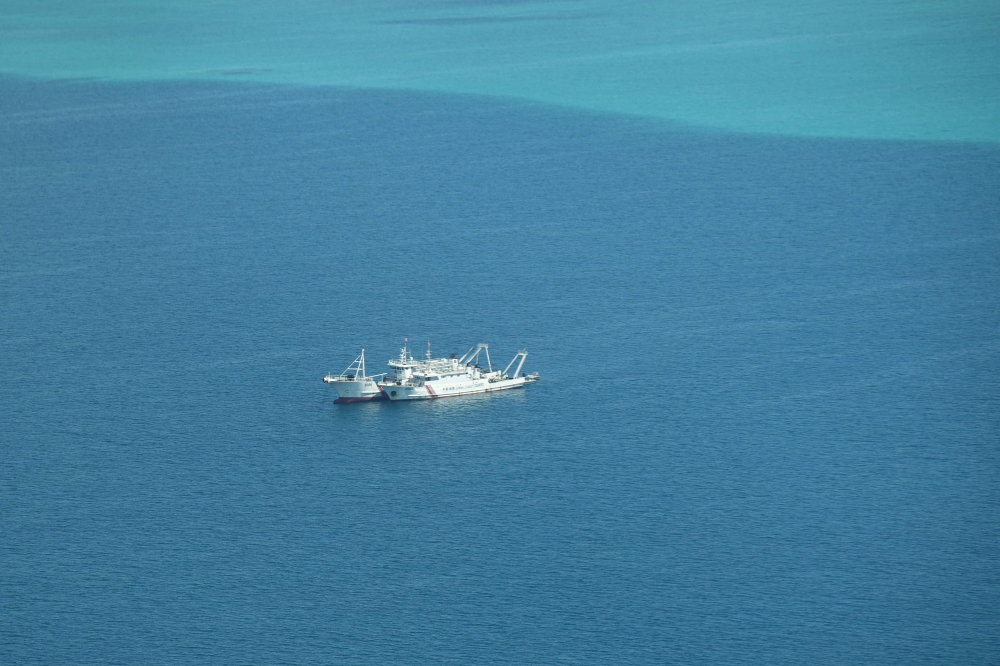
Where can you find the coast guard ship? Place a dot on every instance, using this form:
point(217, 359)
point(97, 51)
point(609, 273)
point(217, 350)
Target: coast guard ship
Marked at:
point(446, 377)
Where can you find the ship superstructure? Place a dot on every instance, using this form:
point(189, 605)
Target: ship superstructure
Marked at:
point(353, 385)
point(410, 379)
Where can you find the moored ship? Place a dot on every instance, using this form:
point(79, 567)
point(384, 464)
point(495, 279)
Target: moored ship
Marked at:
point(353, 385)
point(410, 379)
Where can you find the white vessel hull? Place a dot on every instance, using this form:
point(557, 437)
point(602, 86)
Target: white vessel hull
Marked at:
point(354, 384)
point(363, 390)
point(446, 388)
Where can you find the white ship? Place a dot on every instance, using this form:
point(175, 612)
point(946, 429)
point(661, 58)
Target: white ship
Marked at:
point(353, 385)
point(410, 379)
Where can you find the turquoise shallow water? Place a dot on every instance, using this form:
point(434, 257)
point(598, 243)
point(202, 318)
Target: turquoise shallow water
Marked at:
point(925, 70)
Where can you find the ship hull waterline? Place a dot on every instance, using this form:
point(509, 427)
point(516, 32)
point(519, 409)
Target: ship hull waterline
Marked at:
point(348, 391)
point(430, 392)
point(371, 398)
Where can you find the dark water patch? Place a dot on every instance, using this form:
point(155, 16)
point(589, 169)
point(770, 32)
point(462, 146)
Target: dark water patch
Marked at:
point(766, 430)
point(463, 20)
point(240, 72)
point(488, 3)
point(74, 79)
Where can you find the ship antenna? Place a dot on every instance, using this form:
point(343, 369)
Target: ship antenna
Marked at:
point(428, 350)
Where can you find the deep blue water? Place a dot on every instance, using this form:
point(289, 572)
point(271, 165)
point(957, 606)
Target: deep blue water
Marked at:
point(767, 430)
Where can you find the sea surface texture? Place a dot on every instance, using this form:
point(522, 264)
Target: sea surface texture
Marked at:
point(767, 429)
point(920, 69)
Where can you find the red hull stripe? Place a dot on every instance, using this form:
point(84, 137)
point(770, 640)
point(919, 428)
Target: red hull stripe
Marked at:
point(430, 390)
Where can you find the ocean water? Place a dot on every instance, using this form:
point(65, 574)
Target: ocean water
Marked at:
point(924, 70)
point(753, 250)
point(767, 429)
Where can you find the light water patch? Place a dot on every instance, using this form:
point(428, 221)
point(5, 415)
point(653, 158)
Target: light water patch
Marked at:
point(927, 70)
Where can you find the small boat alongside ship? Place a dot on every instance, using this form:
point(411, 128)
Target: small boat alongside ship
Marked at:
point(353, 385)
point(424, 379)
